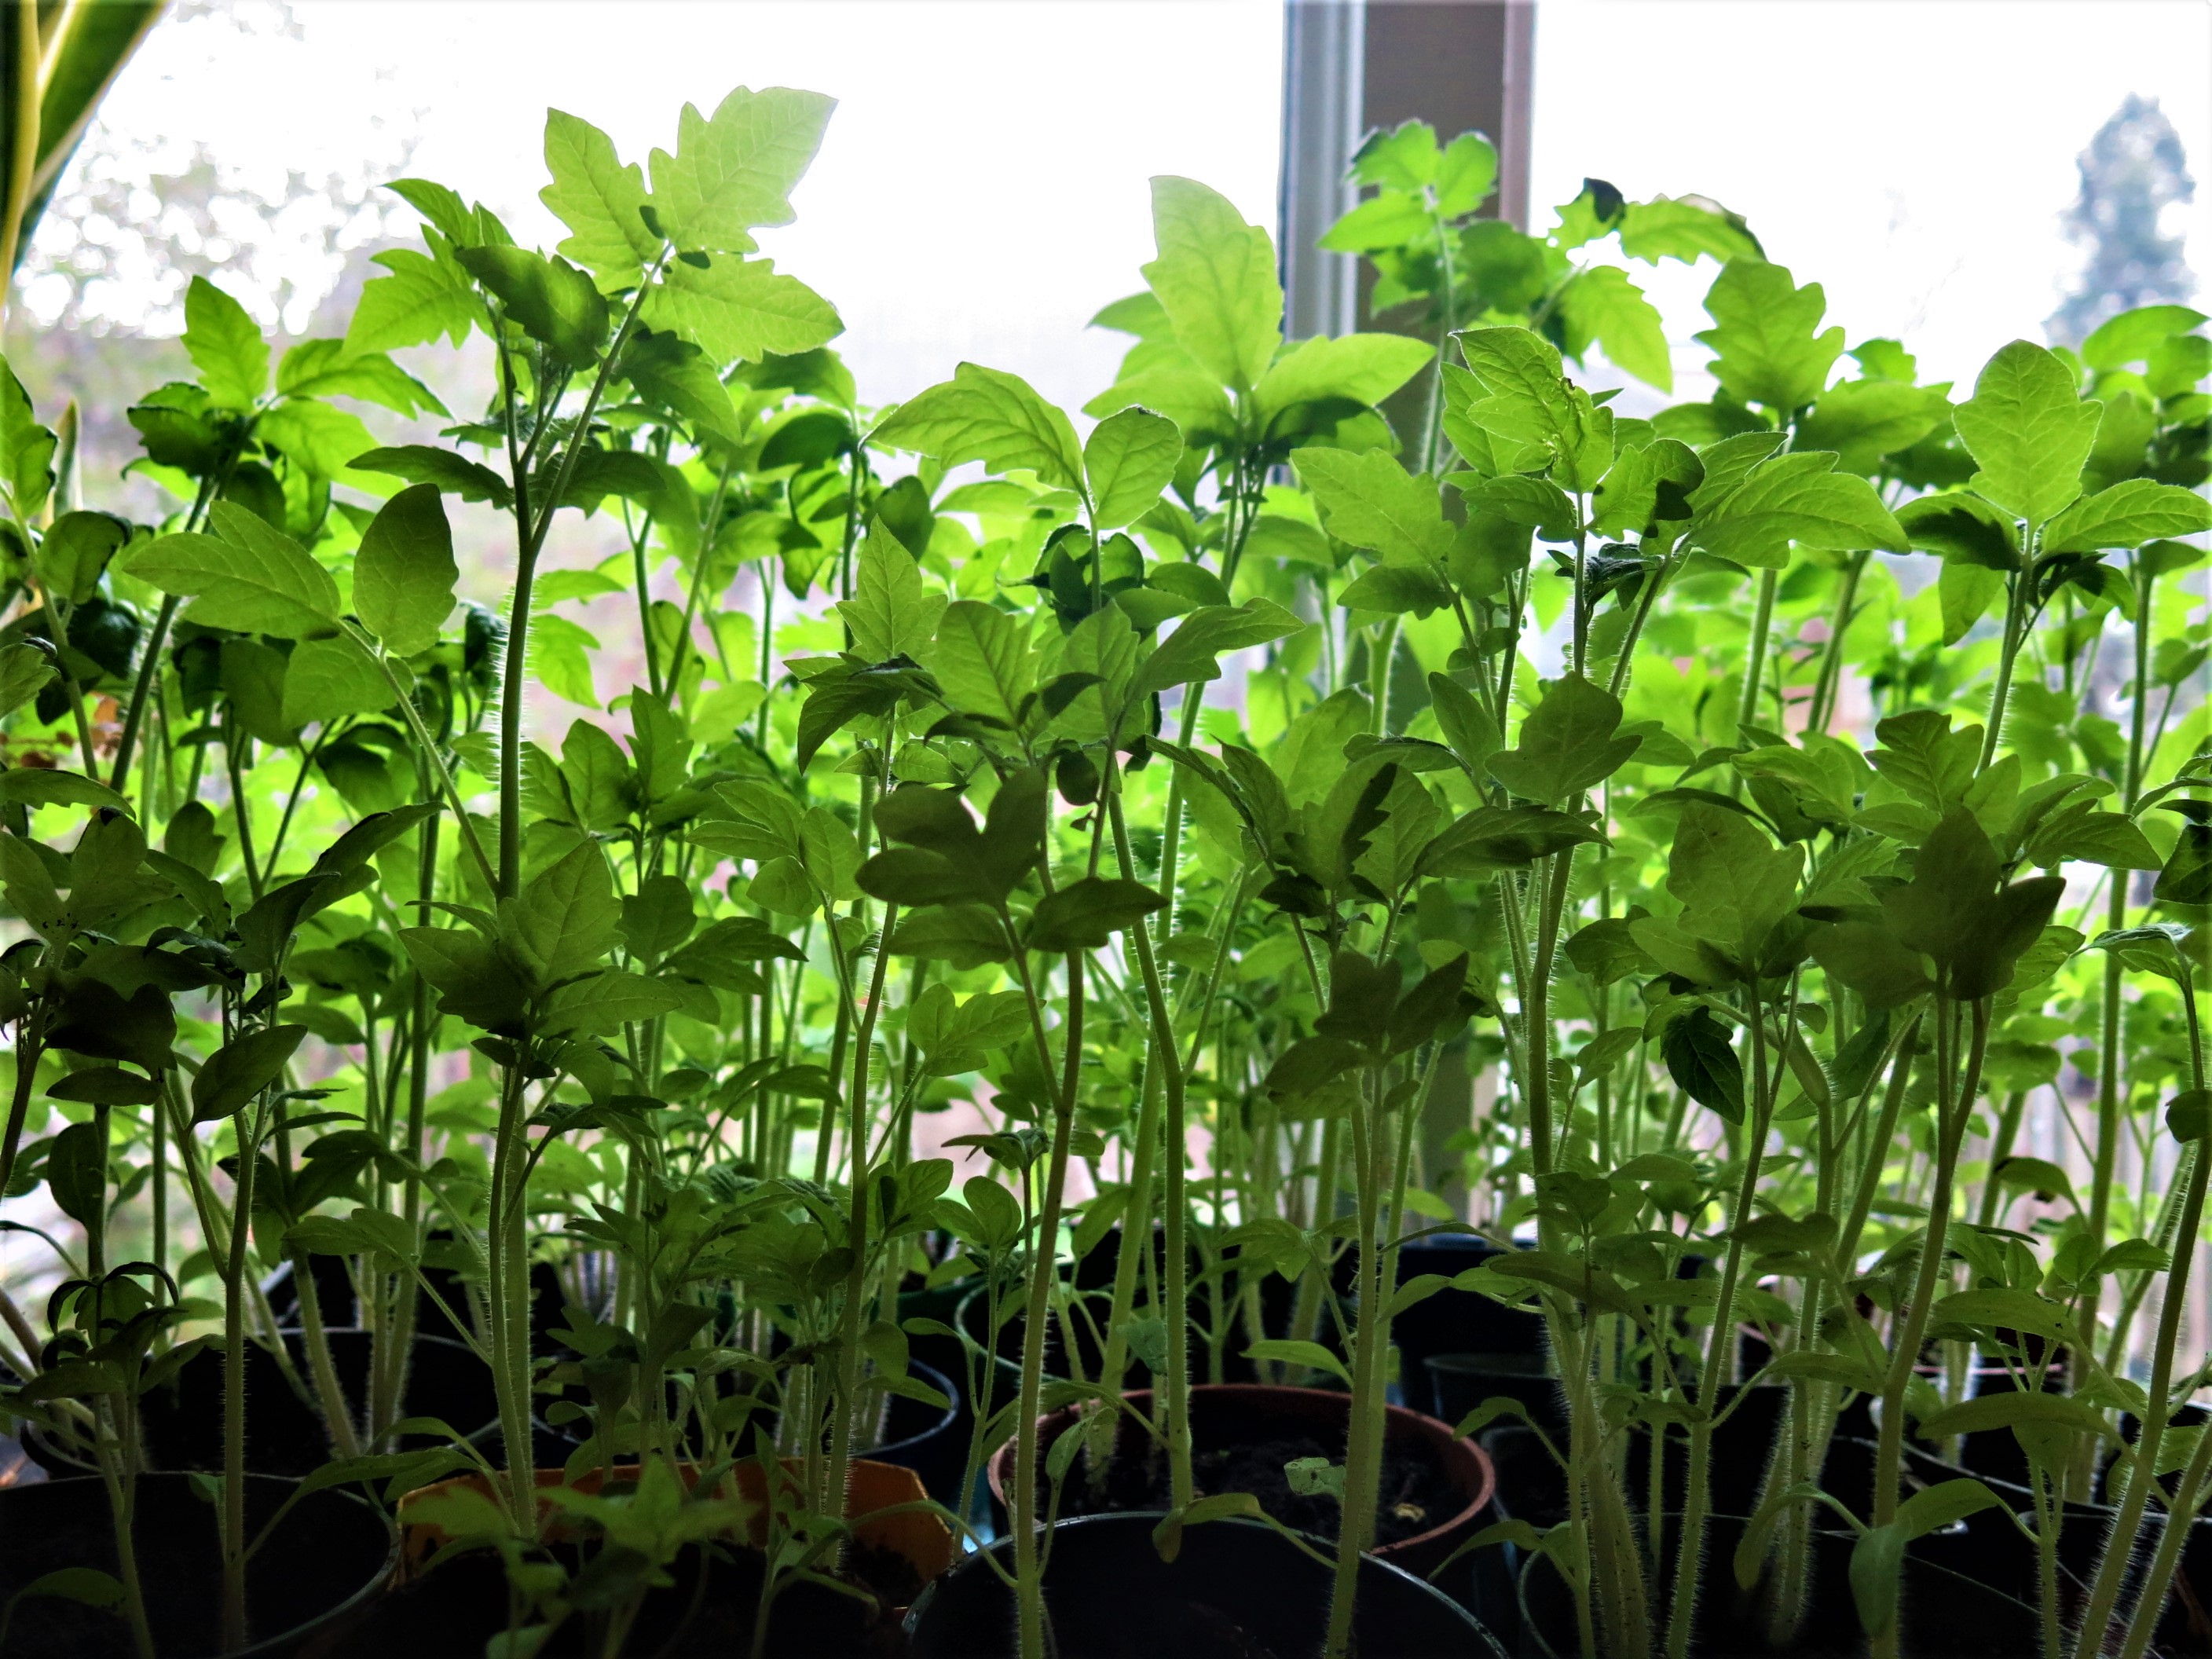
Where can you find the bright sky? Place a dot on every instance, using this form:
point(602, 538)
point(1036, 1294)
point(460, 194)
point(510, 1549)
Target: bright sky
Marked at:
point(982, 190)
point(1910, 155)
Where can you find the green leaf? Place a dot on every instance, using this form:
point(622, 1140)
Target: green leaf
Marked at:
point(41, 786)
point(734, 172)
point(1796, 498)
point(76, 1172)
point(2029, 432)
point(1864, 419)
point(1702, 1061)
point(2127, 515)
point(1685, 228)
point(318, 436)
point(982, 661)
point(26, 449)
point(741, 310)
point(1087, 913)
point(676, 375)
point(1965, 593)
point(25, 671)
point(420, 299)
point(1391, 589)
point(1128, 459)
point(324, 368)
point(1360, 368)
point(225, 344)
point(549, 300)
point(892, 612)
point(989, 415)
point(1190, 654)
point(604, 1003)
point(1767, 335)
point(566, 918)
point(965, 935)
point(1958, 526)
point(2005, 1410)
point(1372, 502)
point(89, 1585)
point(2133, 336)
point(1215, 278)
point(327, 679)
point(242, 1069)
point(246, 576)
point(1310, 1355)
point(1600, 303)
point(404, 572)
point(1567, 745)
point(453, 474)
point(598, 197)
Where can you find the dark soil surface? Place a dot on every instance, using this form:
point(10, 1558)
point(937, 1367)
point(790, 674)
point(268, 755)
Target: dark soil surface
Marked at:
point(1416, 1493)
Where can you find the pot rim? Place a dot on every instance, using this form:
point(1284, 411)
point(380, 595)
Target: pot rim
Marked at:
point(1407, 1424)
point(1370, 1562)
point(277, 1641)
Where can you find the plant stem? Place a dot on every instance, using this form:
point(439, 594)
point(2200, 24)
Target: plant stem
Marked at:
point(1957, 1113)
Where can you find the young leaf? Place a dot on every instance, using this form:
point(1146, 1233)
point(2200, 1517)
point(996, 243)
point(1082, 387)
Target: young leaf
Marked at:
point(1600, 304)
point(741, 310)
point(598, 197)
point(1703, 1063)
point(1128, 459)
point(420, 299)
point(225, 345)
point(987, 416)
point(242, 1069)
point(549, 300)
point(1372, 502)
point(565, 919)
point(404, 572)
point(246, 576)
point(1767, 337)
point(892, 611)
point(1215, 278)
point(1360, 368)
point(2129, 513)
point(26, 449)
point(1567, 745)
point(1087, 913)
point(2029, 432)
point(1797, 498)
point(734, 172)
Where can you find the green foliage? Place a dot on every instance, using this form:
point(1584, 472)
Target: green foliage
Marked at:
point(1459, 801)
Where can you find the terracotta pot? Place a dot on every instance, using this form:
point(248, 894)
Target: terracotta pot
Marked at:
point(1259, 1410)
point(923, 1541)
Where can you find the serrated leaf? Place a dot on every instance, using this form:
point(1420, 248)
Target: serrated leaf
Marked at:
point(225, 344)
point(2128, 514)
point(2028, 432)
point(1215, 278)
point(246, 576)
point(1128, 459)
point(598, 197)
point(1372, 502)
point(741, 310)
point(987, 415)
point(734, 172)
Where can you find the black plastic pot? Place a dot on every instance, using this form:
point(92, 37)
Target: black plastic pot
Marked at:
point(1944, 1613)
point(930, 1441)
point(181, 1422)
point(1451, 1321)
point(1235, 1587)
point(331, 1554)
